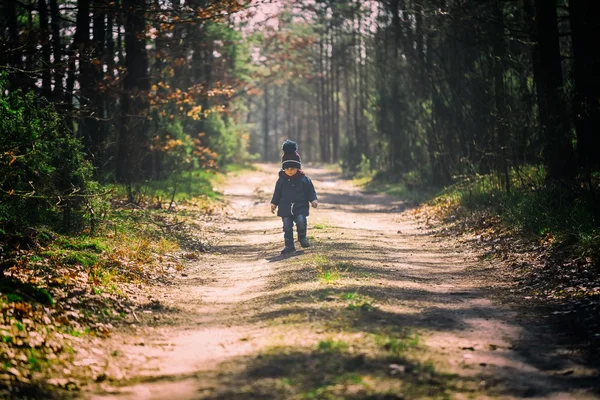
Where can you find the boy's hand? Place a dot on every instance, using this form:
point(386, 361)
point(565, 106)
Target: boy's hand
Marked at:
point(314, 203)
point(273, 207)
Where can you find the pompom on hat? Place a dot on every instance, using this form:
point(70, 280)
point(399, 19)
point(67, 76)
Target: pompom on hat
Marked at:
point(290, 158)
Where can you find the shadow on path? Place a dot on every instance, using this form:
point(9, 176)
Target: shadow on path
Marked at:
point(364, 314)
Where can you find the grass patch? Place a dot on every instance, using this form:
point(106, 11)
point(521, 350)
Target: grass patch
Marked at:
point(76, 332)
point(329, 275)
point(232, 168)
point(412, 193)
point(361, 305)
point(15, 291)
point(397, 345)
point(80, 258)
point(35, 259)
point(359, 302)
point(103, 276)
point(352, 296)
point(329, 271)
point(36, 360)
point(89, 244)
point(319, 226)
point(332, 346)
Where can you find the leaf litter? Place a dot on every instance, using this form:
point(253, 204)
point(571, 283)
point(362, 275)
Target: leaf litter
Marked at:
point(541, 270)
point(58, 303)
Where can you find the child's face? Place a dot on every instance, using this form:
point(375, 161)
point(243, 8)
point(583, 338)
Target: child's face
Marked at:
point(290, 171)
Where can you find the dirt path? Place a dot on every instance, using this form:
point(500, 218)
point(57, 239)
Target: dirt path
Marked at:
point(377, 308)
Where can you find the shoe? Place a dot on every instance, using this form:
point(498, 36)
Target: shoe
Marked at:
point(304, 242)
point(289, 247)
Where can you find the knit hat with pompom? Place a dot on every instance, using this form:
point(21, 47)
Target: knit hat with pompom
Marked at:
point(290, 158)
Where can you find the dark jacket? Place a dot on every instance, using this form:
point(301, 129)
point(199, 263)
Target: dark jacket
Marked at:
point(292, 195)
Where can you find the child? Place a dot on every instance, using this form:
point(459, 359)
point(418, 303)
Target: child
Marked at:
point(293, 191)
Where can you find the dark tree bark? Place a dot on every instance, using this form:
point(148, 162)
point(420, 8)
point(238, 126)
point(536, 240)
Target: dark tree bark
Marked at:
point(46, 49)
point(94, 132)
point(585, 28)
point(14, 58)
point(558, 154)
point(31, 54)
point(397, 136)
point(76, 51)
point(499, 93)
point(133, 140)
point(57, 52)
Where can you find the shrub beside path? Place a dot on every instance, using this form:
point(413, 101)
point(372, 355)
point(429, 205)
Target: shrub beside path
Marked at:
point(378, 308)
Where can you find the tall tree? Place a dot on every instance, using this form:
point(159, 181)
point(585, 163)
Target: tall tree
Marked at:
point(46, 48)
point(133, 140)
point(558, 152)
point(585, 28)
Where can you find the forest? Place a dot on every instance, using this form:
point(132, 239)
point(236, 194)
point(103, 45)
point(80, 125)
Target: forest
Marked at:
point(117, 117)
point(433, 90)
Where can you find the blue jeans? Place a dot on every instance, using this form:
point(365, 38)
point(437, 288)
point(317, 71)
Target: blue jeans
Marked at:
point(288, 226)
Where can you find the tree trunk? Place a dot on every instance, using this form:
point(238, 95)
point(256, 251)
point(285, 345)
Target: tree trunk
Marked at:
point(499, 93)
point(585, 27)
point(266, 141)
point(558, 152)
point(95, 134)
point(133, 141)
point(334, 133)
point(321, 104)
point(276, 102)
point(46, 90)
point(15, 58)
point(57, 51)
point(76, 51)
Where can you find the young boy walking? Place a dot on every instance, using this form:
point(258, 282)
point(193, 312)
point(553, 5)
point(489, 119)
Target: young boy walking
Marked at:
point(293, 193)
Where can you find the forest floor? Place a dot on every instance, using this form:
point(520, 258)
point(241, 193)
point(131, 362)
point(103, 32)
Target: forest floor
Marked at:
point(379, 307)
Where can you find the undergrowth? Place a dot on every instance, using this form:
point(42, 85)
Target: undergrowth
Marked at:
point(56, 287)
point(552, 212)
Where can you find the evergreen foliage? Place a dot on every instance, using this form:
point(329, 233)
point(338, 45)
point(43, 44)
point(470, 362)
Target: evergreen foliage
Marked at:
point(44, 178)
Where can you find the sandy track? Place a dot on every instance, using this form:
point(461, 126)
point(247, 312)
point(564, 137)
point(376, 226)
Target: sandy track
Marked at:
point(241, 321)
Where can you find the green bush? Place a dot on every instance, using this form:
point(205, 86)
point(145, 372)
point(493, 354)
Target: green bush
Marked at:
point(44, 178)
point(227, 140)
point(353, 161)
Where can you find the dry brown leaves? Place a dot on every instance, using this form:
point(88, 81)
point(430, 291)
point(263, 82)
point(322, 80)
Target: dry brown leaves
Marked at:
point(539, 270)
point(60, 344)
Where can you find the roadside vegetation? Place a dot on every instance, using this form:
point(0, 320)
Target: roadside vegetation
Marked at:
point(77, 255)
